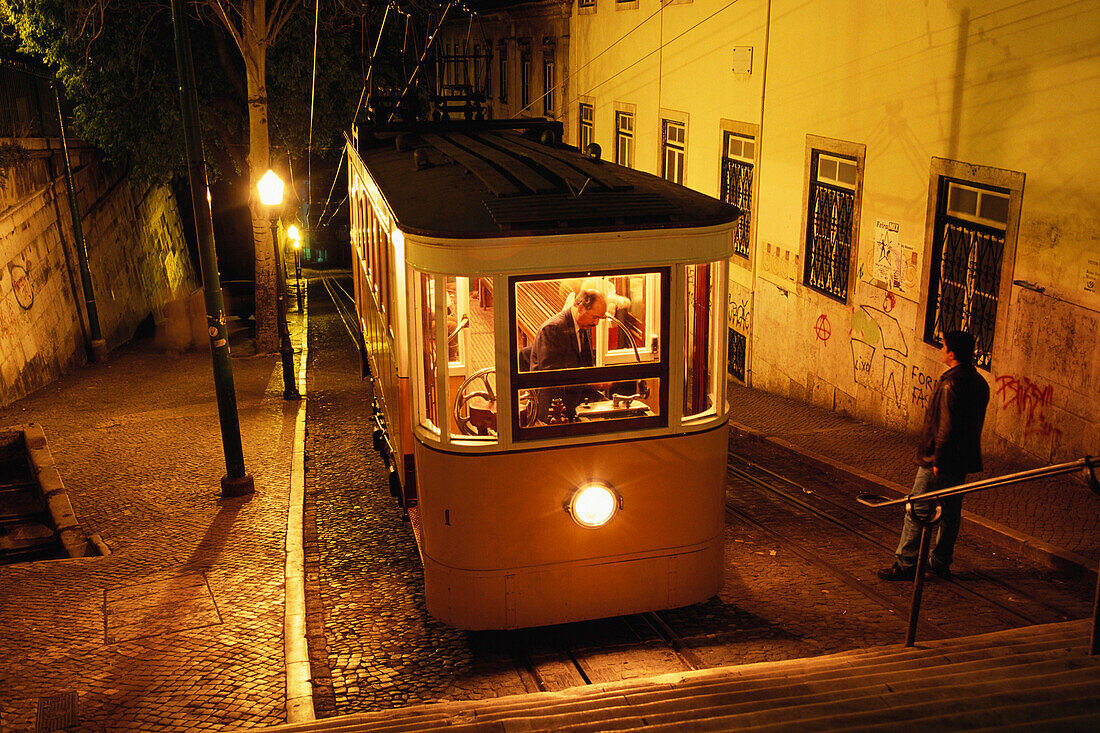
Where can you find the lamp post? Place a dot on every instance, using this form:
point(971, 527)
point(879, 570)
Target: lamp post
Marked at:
point(271, 196)
point(236, 481)
point(296, 238)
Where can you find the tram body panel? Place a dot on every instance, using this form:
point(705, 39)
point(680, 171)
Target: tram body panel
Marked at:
point(457, 267)
point(500, 547)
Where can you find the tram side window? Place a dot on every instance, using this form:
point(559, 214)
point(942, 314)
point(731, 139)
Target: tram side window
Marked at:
point(425, 297)
point(589, 353)
point(471, 359)
point(699, 374)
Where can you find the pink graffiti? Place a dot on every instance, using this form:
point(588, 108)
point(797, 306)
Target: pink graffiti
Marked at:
point(823, 328)
point(1030, 402)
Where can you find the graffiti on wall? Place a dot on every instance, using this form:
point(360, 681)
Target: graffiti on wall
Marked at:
point(879, 352)
point(922, 385)
point(739, 313)
point(22, 286)
point(1030, 401)
point(823, 329)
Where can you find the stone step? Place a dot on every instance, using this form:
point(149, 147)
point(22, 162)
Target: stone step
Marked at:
point(946, 682)
point(960, 713)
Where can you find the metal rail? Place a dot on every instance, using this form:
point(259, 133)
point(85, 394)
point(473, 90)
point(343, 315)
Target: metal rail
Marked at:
point(1087, 464)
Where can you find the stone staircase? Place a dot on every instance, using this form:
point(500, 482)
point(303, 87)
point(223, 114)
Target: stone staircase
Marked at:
point(1035, 678)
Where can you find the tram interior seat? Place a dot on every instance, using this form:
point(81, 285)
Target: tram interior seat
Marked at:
point(539, 301)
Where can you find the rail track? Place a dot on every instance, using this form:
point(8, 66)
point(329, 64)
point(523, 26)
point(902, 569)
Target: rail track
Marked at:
point(1031, 600)
point(822, 533)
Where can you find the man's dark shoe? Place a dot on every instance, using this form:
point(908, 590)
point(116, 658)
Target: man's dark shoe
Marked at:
point(897, 572)
point(943, 572)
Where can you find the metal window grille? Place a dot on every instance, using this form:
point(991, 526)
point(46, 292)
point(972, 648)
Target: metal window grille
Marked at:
point(829, 239)
point(586, 3)
point(503, 73)
point(735, 351)
point(737, 190)
point(965, 279)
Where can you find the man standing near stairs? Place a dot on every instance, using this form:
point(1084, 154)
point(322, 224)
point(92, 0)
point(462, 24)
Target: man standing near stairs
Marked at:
point(950, 448)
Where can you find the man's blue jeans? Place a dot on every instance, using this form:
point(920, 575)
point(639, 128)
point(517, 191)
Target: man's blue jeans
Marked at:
point(943, 543)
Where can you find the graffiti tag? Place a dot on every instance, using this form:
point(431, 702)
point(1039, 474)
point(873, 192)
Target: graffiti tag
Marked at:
point(823, 329)
point(21, 284)
point(1030, 401)
point(922, 385)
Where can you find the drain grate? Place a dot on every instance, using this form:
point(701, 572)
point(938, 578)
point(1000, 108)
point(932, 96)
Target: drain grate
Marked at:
point(56, 712)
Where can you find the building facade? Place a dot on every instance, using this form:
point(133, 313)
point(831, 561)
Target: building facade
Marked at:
point(881, 152)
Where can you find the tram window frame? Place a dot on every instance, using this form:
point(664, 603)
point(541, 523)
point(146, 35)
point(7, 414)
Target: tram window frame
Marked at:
point(659, 369)
point(427, 408)
point(702, 334)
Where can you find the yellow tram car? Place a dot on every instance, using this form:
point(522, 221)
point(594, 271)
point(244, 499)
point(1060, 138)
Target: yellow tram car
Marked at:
point(545, 333)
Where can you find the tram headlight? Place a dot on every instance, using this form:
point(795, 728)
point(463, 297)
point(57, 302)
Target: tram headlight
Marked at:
point(593, 505)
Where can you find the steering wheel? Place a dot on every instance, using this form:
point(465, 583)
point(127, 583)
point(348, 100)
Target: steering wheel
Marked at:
point(482, 384)
point(486, 377)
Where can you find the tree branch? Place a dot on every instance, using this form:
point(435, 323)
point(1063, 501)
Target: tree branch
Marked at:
point(280, 14)
point(221, 14)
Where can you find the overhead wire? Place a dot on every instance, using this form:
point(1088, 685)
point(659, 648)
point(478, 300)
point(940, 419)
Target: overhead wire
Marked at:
point(312, 98)
point(427, 47)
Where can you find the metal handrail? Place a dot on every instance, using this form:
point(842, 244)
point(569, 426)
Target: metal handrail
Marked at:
point(1089, 464)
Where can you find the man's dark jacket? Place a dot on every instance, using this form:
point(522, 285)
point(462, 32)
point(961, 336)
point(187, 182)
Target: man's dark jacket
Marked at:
point(555, 345)
point(952, 434)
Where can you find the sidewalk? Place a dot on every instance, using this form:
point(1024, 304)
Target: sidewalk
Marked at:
point(1055, 521)
point(181, 626)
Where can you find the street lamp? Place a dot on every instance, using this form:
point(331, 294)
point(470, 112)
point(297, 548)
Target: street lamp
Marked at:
point(296, 240)
point(271, 196)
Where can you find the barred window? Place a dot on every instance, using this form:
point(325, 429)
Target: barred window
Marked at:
point(586, 3)
point(967, 251)
point(830, 223)
point(503, 73)
point(738, 154)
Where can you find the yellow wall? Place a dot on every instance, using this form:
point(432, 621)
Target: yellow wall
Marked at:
point(1010, 94)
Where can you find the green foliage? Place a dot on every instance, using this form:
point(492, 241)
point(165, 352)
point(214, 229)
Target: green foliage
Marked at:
point(116, 61)
point(11, 156)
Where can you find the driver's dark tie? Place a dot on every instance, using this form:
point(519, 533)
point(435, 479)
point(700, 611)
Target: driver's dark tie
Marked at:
point(586, 348)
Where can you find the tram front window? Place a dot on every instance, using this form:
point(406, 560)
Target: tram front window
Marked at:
point(589, 352)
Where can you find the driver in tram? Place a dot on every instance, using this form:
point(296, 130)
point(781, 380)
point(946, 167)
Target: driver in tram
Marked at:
point(564, 342)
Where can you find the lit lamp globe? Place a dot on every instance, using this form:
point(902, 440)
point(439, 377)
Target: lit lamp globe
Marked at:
point(294, 235)
point(271, 189)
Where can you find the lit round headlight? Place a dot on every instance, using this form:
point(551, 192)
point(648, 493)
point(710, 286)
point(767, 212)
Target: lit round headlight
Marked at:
point(593, 505)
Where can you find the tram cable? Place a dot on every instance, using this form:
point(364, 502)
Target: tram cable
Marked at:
point(342, 310)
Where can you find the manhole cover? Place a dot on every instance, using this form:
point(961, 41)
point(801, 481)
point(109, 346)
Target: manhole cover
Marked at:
point(56, 712)
point(158, 607)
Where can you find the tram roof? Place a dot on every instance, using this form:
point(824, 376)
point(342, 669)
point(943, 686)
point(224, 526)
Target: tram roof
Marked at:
point(464, 182)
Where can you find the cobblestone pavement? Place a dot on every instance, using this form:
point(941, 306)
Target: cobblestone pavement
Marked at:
point(181, 627)
point(374, 647)
point(1060, 511)
point(370, 633)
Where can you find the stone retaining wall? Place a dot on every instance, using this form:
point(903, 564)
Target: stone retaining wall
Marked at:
point(136, 251)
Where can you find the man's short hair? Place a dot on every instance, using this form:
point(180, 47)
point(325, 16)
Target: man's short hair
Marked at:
point(961, 344)
point(588, 298)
